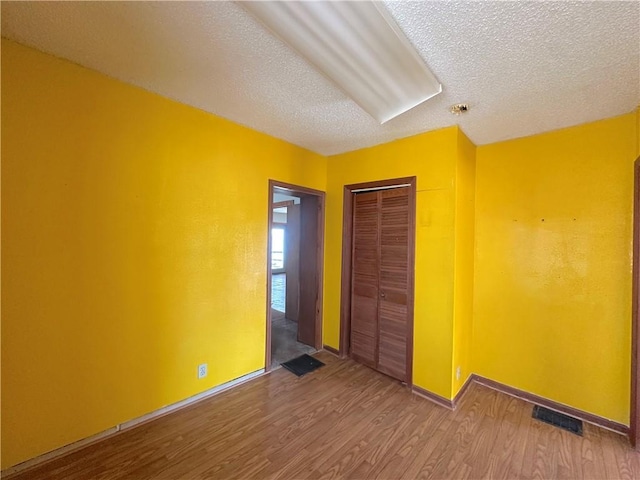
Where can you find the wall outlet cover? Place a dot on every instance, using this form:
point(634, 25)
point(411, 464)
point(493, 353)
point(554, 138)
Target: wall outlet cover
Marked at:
point(202, 370)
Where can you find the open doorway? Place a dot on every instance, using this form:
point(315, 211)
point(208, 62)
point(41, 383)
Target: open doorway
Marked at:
point(294, 268)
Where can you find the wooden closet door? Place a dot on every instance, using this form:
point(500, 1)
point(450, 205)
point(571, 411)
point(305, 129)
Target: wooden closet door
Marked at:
point(393, 283)
point(364, 282)
point(380, 281)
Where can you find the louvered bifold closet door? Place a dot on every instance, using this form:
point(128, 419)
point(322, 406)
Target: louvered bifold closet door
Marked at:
point(393, 282)
point(364, 285)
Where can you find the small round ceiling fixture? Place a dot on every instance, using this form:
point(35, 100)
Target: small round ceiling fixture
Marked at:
point(459, 108)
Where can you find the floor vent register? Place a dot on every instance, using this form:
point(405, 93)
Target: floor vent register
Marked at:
point(559, 420)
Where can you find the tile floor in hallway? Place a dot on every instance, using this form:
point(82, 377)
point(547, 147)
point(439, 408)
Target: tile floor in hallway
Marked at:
point(284, 332)
point(284, 344)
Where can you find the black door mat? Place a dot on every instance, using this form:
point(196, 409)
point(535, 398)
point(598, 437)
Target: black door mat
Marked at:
point(303, 364)
point(556, 419)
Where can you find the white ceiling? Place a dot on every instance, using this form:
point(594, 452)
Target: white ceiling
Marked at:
point(524, 67)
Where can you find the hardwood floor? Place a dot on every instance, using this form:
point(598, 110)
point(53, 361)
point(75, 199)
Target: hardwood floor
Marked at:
point(347, 421)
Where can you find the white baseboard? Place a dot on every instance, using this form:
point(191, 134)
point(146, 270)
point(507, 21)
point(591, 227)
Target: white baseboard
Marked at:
point(58, 452)
point(188, 401)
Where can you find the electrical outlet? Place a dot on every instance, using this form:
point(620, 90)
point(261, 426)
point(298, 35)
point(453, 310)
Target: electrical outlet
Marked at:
point(458, 373)
point(202, 370)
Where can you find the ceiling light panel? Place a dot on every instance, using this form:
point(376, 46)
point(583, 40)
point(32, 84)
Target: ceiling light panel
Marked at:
point(358, 46)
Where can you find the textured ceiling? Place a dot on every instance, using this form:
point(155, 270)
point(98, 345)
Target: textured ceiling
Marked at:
point(524, 67)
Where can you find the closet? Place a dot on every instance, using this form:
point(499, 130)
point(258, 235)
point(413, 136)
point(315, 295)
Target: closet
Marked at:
point(380, 327)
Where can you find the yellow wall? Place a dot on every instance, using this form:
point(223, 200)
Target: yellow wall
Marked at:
point(464, 251)
point(431, 157)
point(134, 248)
point(638, 132)
point(130, 255)
point(553, 265)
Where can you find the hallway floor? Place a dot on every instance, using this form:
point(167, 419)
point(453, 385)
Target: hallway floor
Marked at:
point(284, 343)
point(284, 332)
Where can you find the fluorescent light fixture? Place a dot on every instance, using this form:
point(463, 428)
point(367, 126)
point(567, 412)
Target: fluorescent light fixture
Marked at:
point(358, 46)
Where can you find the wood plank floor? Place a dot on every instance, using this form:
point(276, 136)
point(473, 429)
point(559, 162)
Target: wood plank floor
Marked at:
point(347, 421)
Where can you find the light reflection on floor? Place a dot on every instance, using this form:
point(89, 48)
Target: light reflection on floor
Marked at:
point(278, 289)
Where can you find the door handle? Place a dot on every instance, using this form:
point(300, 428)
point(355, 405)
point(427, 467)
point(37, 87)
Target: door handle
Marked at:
point(382, 295)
